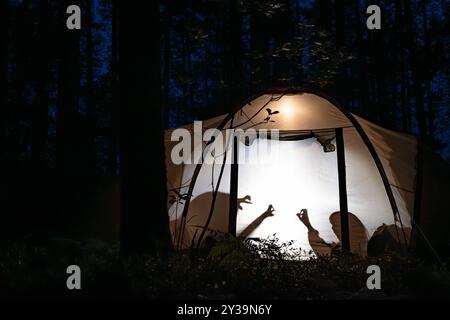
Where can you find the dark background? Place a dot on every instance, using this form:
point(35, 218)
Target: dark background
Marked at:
point(81, 108)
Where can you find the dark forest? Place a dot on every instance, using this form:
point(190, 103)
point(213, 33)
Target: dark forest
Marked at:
point(83, 116)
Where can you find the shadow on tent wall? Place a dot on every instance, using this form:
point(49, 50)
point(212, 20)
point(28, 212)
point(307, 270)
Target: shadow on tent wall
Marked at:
point(102, 215)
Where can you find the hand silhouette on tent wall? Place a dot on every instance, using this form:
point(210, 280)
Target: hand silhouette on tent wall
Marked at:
point(256, 223)
point(247, 200)
point(198, 217)
point(318, 245)
point(358, 234)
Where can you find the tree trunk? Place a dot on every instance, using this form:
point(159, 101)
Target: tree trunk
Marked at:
point(70, 128)
point(259, 44)
point(206, 67)
point(405, 111)
point(113, 167)
point(190, 74)
point(90, 105)
point(300, 72)
point(362, 61)
point(377, 89)
point(339, 22)
point(427, 58)
point(68, 98)
point(282, 32)
point(235, 56)
point(186, 57)
point(41, 73)
point(381, 78)
point(144, 219)
point(415, 65)
point(167, 64)
point(325, 10)
point(341, 86)
point(4, 18)
point(5, 197)
point(372, 111)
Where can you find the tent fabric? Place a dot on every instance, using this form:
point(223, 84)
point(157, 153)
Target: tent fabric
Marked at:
point(304, 176)
point(398, 153)
point(301, 174)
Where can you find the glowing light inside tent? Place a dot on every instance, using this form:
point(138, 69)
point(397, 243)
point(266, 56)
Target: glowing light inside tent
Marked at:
point(291, 112)
point(299, 175)
point(286, 108)
point(303, 177)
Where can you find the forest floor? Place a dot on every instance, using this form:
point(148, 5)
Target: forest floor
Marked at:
point(229, 270)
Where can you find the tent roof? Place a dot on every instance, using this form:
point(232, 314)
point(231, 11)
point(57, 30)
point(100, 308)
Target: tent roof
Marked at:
point(286, 112)
point(293, 109)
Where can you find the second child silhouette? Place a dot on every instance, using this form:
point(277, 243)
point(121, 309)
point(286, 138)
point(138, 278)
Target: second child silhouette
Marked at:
point(358, 234)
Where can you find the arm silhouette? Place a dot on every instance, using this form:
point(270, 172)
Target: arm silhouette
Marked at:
point(319, 246)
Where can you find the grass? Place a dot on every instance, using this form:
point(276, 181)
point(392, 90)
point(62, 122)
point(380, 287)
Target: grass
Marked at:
point(229, 270)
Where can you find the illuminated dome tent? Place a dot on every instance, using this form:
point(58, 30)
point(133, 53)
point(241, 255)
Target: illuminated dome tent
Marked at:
point(331, 173)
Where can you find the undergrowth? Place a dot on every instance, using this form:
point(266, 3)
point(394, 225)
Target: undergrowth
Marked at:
point(231, 269)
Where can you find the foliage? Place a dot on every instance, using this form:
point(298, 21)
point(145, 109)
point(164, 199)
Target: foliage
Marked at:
point(231, 269)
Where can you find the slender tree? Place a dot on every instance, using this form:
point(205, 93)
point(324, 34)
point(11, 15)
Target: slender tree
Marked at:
point(361, 59)
point(415, 69)
point(324, 14)
point(70, 129)
point(21, 45)
point(427, 58)
point(144, 219)
point(340, 42)
point(298, 19)
point(339, 9)
point(167, 61)
point(235, 55)
point(190, 76)
point(113, 165)
point(259, 45)
point(4, 188)
point(282, 32)
point(405, 111)
point(89, 91)
point(4, 17)
point(41, 69)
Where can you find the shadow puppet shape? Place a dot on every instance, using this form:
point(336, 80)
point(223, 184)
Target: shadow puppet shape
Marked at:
point(198, 215)
point(256, 223)
point(358, 234)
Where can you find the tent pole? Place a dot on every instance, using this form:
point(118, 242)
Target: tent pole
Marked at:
point(417, 196)
point(233, 189)
point(343, 206)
